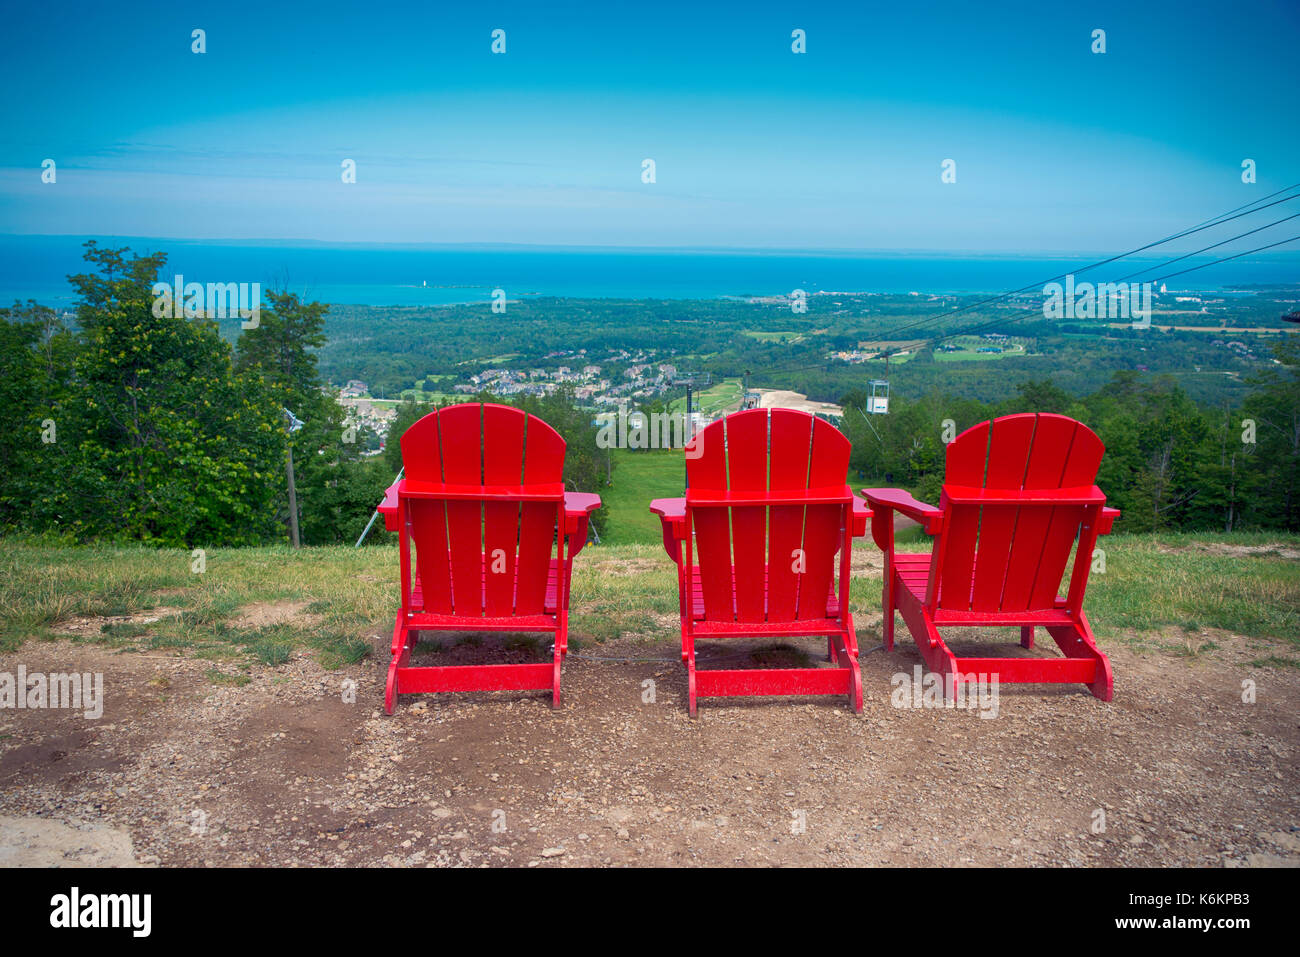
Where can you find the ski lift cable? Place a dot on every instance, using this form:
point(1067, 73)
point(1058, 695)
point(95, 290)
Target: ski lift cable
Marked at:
point(1016, 317)
point(1207, 224)
point(1204, 249)
point(1037, 310)
point(975, 330)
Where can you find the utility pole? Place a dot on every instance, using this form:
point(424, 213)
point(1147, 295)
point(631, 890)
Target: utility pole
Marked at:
point(293, 425)
point(366, 531)
point(691, 382)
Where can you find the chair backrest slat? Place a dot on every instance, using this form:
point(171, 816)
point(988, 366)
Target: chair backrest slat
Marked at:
point(792, 437)
point(747, 467)
point(504, 432)
point(1010, 440)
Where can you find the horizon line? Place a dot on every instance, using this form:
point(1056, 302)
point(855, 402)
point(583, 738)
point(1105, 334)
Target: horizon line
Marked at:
point(844, 251)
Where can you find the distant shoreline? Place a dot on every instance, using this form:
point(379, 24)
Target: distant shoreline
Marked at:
point(430, 277)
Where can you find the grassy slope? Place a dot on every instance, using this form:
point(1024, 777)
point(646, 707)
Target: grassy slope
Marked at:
point(1151, 584)
point(722, 396)
point(640, 477)
point(1187, 583)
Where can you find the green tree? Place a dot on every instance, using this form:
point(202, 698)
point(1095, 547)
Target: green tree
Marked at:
point(337, 487)
point(36, 354)
point(172, 446)
point(1271, 415)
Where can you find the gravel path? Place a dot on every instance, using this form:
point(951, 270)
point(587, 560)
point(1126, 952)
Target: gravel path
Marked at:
point(283, 770)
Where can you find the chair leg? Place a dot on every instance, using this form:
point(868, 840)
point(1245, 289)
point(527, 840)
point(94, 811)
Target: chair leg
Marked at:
point(401, 654)
point(855, 676)
point(390, 688)
point(1103, 686)
point(849, 638)
point(559, 650)
point(1078, 641)
point(688, 657)
point(690, 686)
point(887, 606)
point(1027, 636)
point(939, 657)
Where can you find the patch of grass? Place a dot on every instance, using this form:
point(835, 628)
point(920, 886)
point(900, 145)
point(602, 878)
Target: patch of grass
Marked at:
point(12, 637)
point(271, 652)
point(222, 678)
point(123, 629)
point(336, 649)
point(639, 477)
point(1275, 661)
point(1153, 586)
point(781, 656)
point(1193, 646)
point(169, 641)
point(532, 644)
point(723, 396)
point(602, 628)
point(1156, 581)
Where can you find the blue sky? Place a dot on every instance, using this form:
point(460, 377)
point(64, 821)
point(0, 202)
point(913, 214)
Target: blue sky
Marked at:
point(1056, 148)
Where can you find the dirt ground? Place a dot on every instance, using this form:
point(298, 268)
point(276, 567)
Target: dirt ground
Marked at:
point(283, 770)
point(784, 399)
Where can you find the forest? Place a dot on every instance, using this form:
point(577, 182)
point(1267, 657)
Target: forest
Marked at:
point(124, 426)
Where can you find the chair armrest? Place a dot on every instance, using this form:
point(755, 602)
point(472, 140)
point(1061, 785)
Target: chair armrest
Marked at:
point(929, 517)
point(580, 503)
point(860, 515)
point(1108, 516)
point(885, 501)
point(578, 507)
point(669, 509)
point(672, 513)
point(388, 507)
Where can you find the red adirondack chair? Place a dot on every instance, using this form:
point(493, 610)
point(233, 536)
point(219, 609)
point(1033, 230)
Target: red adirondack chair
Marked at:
point(495, 533)
point(755, 540)
point(1018, 494)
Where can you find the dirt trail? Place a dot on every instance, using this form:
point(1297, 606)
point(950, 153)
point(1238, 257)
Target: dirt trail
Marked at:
point(284, 770)
point(783, 399)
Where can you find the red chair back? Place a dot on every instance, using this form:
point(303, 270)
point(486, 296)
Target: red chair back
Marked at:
point(787, 471)
point(490, 499)
point(1011, 556)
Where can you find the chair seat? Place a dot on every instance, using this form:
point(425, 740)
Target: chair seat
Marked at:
point(697, 596)
point(913, 570)
point(549, 604)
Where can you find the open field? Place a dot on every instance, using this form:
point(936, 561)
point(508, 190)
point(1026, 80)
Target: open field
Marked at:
point(1218, 330)
point(719, 398)
point(228, 736)
point(639, 478)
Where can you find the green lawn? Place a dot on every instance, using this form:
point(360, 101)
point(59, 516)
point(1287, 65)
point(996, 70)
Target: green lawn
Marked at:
point(720, 397)
point(1161, 591)
point(638, 478)
point(970, 350)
